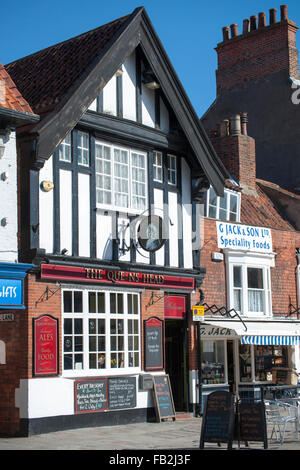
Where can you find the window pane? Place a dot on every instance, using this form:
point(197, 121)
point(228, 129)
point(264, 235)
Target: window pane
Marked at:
point(255, 278)
point(223, 201)
point(237, 300)
point(255, 301)
point(77, 301)
point(67, 301)
point(213, 361)
point(92, 302)
point(212, 197)
point(68, 326)
point(237, 276)
point(233, 203)
point(212, 212)
point(101, 302)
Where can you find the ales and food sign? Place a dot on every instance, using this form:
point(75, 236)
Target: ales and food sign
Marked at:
point(45, 329)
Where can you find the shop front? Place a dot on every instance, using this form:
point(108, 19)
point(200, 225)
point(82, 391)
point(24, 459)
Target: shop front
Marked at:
point(244, 358)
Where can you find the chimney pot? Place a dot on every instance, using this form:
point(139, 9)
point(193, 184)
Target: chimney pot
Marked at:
point(284, 12)
point(225, 33)
point(234, 30)
point(273, 16)
point(224, 128)
point(253, 22)
point(246, 26)
point(261, 20)
point(244, 122)
point(235, 125)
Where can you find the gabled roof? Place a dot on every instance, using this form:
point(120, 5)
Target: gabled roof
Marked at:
point(60, 83)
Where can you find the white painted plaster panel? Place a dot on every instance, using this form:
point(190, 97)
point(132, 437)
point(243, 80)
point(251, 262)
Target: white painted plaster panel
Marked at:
point(84, 215)
point(148, 107)
point(93, 105)
point(124, 236)
point(65, 197)
point(164, 117)
point(46, 208)
point(186, 214)
point(46, 397)
point(110, 97)
point(104, 224)
point(159, 206)
point(8, 201)
point(129, 88)
point(173, 228)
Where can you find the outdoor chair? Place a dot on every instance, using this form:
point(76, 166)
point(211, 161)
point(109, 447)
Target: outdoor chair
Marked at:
point(278, 415)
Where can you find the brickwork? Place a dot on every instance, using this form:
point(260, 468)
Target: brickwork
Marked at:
point(257, 54)
point(17, 336)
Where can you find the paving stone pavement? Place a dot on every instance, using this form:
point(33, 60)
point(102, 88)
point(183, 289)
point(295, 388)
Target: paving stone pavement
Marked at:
point(182, 435)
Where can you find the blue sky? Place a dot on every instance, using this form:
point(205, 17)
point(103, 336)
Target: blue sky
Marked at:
point(188, 29)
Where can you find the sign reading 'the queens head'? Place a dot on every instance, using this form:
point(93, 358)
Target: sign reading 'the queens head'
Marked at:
point(244, 237)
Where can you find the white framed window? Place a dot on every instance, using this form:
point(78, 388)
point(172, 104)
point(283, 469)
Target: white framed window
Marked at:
point(121, 178)
point(224, 208)
point(172, 170)
point(248, 283)
point(64, 150)
point(83, 148)
point(101, 332)
point(157, 167)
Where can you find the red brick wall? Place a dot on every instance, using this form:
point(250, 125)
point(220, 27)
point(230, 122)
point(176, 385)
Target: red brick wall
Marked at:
point(17, 336)
point(283, 278)
point(237, 153)
point(257, 54)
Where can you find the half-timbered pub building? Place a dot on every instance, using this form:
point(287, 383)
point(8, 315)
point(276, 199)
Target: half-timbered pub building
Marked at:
point(110, 181)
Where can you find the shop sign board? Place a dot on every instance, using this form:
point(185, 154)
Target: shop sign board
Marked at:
point(209, 331)
point(163, 397)
point(45, 345)
point(115, 277)
point(11, 293)
point(244, 237)
point(252, 423)
point(198, 312)
point(154, 341)
point(174, 307)
point(102, 394)
point(218, 419)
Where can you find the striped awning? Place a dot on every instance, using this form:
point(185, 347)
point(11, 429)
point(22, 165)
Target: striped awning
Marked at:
point(281, 340)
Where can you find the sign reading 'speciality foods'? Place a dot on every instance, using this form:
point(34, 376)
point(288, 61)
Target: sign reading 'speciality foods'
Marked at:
point(244, 237)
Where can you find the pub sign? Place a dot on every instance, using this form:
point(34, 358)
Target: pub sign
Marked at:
point(45, 344)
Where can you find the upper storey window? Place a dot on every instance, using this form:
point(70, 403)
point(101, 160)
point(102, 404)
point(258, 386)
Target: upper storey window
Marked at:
point(224, 208)
point(65, 154)
point(121, 177)
point(83, 148)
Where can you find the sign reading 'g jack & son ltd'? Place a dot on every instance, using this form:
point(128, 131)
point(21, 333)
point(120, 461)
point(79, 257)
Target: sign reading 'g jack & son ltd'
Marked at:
point(244, 237)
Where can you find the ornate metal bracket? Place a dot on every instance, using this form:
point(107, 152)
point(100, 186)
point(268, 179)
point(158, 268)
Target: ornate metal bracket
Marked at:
point(47, 295)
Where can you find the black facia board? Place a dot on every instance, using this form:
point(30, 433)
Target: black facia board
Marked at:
point(163, 397)
point(218, 418)
point(90, 395)
point(154, 352)
point(122, 392)
point(252, 422)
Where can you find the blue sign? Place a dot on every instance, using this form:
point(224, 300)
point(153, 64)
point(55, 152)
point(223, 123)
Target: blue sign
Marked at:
point(11, 293)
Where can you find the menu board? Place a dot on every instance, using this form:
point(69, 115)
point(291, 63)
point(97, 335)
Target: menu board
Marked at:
point(153, 334)
point(218, 419)
point(122, 392)
point(252, 422)
point(163, 397)
point(90, 395)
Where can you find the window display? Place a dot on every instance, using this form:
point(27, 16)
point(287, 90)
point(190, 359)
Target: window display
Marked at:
point(213, 362)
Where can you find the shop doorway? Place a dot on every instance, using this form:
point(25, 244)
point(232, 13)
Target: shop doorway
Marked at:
point(176, 361)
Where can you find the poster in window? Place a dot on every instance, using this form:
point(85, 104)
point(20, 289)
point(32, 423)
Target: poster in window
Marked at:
point(45, 346)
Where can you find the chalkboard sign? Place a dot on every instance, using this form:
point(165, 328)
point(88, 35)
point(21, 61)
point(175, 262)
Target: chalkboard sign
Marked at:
point(90, 395)
point(163, 397)
point(122, 392)
point(252, 422)
point(153, 340)
point(218, 419)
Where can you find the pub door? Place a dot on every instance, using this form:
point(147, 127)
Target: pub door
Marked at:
point(176, 361)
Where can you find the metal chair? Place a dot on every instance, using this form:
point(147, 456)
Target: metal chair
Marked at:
point(278, 415)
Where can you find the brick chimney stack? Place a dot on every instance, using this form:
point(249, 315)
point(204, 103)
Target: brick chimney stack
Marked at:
point(262, 49)
point(237, 151)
